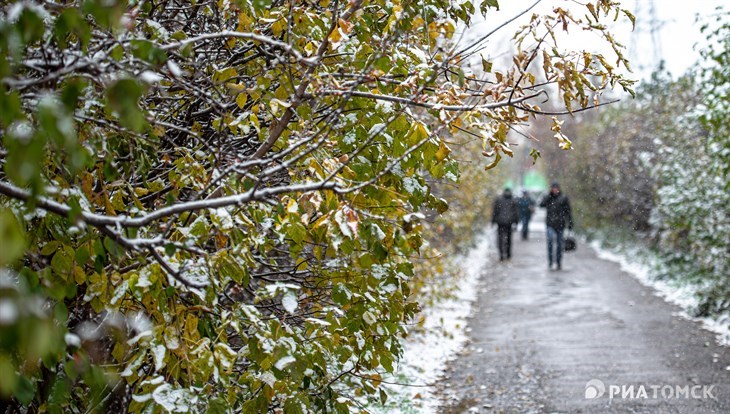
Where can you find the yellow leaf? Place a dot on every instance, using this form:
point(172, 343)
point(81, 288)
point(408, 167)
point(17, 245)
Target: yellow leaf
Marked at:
point(292, 207)
point(345, 26)
point(433, 30)
point(255, 121)
point(493, 163)
point(118, 352)
point(278, 27)
point(87, 184)
point(108, 206)
point(310, 48)
point(442, 152)
point(225, 75)
point(377, 379)
point(244, 21)
point(235, 88)
point(418, 133)
point(79, 275)
point(241, 100)
point(159, 131)
point(335, 37)
point(191, 328)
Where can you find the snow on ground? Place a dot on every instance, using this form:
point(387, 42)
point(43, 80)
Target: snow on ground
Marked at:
point(427, 351)
point(673, 291)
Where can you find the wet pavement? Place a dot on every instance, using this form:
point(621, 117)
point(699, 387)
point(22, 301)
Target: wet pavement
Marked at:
point(538, 336)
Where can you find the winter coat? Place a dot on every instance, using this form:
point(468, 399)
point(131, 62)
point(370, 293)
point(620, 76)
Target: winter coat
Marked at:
point(525, 205)
point(505, 210)
point(558, 211)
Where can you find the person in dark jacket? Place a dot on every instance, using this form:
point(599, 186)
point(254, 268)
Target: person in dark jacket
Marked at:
point(504, 215)
point(558, 217)
point(526, 207)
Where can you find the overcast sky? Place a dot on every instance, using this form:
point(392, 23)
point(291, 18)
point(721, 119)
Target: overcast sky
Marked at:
point(674, 22)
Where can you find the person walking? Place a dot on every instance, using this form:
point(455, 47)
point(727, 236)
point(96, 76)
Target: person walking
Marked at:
point(558, 216)
point(504, 215)
point(526, 207)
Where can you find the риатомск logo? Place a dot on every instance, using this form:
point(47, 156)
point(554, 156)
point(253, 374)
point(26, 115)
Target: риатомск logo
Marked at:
point(596, 388)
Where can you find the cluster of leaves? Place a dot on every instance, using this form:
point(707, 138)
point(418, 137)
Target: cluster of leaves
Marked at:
point(214, 206)
point(715, 77)
point(659, 165)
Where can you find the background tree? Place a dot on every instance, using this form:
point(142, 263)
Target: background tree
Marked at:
point(655, 170)
point(214, 206)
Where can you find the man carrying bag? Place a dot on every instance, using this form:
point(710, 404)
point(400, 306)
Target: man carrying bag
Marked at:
point(558, 216)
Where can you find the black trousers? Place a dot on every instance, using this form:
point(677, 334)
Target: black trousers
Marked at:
point(504, 240)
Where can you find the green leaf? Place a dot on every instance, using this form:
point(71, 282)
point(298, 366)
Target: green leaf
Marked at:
point(229, 267)
point(217, 406)
point(30, 26)
point(486, 65)
point(10, 107)
point(25, 390)
point(225, 75)
point(108, 13)
point(50, 248)
point(122, 99)
point(62, 261)
point(12, 238)
point(486, 4)
point(261, 5)
point(71, 22)
point(148, 52)
point(114, 249)
point(341, 294)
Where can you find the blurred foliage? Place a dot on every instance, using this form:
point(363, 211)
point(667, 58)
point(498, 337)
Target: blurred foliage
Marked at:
point(219, 206)
point(658, 167)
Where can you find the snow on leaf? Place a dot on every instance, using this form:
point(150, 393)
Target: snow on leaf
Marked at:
point(150, 77)
point(119, 293)
point(378, 232)
point(158, 356)
point(268, 378)
point(171, 338)
point(225, 355)
point(142, 398)
point(289, 301)
point(173, 400)
point(412, 186)
point(154, 381)
point(174, 69)
point(284, 362)
point(72, 340)
point(131, 368)
point(143, 280)
point(222, 218)
point(275, 288)
point(348, 221)
point(410, 217)
point(369, 318)
point(318, 321)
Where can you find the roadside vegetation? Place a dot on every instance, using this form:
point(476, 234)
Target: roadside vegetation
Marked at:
point(222, 206)
point(655, 170)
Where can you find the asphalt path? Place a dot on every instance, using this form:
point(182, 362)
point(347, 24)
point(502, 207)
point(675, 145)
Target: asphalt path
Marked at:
point(538, 336)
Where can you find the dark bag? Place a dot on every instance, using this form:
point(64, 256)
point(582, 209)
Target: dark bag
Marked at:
point(569, 244)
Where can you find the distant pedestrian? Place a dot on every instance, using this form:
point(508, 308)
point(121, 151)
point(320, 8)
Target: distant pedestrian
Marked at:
point(526, 207)
point(558, 217)
point(505, 215)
